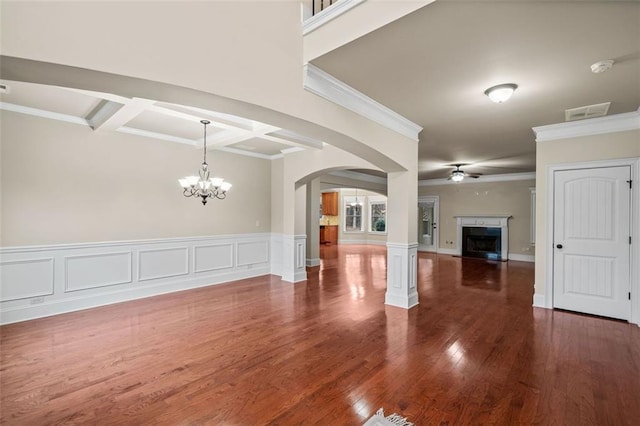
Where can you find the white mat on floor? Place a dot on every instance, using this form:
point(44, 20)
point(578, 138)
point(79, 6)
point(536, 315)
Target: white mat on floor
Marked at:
point(378, 419)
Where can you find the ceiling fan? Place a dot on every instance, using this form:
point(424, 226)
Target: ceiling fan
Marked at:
point(458, 175)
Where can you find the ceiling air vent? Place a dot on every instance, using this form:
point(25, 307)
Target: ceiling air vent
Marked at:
point(589, 111)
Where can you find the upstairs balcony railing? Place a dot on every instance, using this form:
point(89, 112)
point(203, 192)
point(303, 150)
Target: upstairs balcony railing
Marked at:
point(318, 6)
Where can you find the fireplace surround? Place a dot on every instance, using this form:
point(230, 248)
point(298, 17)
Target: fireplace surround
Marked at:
point(483, 236)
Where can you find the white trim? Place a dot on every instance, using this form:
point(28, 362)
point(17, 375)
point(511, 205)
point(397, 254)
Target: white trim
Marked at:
point(402, 283)
point(485, 221)
point(313, 262)
point(68, 288)
point(155, 135)
point(588, 127)
point(485, 178)
point(538, 301)
point(43, 113)
point(532, 212)
point(405, 246)
point(522, 257)
point(435, 199)
point(376, 200)
point(130, 130)
point(346, 200)
point(329, 14)
point(449, 252)
point(634, 260)
point(21, 249)
point(328, 87)
point(362, 242)
point(156, 279)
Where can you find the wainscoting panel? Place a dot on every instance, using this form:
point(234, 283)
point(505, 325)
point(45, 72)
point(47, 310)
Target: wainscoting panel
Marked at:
point(162, 263)
point(97, 270)
point(252, 252)
point(87, 275)
point(22, 279)
point(212, 257)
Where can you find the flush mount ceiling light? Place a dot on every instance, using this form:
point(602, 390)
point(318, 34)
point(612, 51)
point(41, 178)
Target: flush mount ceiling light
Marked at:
point(501, 93)
point(602, 66)
point(202, 185)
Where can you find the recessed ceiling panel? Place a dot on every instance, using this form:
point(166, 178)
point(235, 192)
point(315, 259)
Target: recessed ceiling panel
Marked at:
point(260, 146)
point(169, 125)
point(48, 98)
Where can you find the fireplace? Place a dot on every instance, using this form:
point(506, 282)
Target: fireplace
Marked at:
point(485, 237)
point(482, 242)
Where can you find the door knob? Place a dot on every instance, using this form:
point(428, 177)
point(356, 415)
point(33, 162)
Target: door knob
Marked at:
point(559, 245)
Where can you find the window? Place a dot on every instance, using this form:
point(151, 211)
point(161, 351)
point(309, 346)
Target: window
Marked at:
point(378, 216)
point(353, 214)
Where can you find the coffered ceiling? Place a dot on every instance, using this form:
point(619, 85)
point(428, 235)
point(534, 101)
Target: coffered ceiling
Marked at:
point(152, 119)
point(434, 65)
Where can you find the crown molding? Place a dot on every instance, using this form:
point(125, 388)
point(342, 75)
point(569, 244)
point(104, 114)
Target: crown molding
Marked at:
point(482, 179)
point(588, 127)
point(328, 87)
point(328, 14)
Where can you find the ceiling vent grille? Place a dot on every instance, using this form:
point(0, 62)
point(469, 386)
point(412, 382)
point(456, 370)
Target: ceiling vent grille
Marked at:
point(589, 111)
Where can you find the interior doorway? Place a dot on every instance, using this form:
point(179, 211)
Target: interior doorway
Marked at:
point(428, 218)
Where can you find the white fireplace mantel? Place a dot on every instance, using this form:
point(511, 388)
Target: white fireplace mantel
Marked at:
point(488, 221)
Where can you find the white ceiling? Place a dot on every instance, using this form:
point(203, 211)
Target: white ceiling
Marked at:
point(434, 65)
point(153, 119)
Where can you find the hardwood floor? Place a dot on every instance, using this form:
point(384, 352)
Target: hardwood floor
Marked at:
point(328, 352)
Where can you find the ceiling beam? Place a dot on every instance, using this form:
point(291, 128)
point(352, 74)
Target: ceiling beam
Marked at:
point(112, 116)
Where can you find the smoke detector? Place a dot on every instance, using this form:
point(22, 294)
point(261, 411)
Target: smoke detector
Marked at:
point(589, 111)
point(602, 66)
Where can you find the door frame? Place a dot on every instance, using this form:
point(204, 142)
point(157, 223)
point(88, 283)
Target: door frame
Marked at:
point(634, 217)
point(436, 219)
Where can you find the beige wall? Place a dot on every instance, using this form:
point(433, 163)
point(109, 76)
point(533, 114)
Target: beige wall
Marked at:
point(587, 148)
point(510, 198)
point(64, 183)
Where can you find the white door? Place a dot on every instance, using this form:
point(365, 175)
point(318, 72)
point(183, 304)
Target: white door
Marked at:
point(591, 241)
point(428, 224)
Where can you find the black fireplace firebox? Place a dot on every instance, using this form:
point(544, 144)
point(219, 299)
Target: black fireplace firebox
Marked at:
point(485, 243)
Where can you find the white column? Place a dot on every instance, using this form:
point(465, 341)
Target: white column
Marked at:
point(402, 263)
point(294, 235)
point(294, 260)
point(313, 223)
point(402, 244)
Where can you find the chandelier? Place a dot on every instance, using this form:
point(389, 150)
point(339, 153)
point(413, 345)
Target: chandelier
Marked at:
point(356, 202)
point(202, 185)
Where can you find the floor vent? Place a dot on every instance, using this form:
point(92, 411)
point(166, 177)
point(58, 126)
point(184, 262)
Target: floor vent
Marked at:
point(589, 111)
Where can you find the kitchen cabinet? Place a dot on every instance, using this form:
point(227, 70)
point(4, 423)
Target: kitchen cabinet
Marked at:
point(328, 234)
point(330, 203)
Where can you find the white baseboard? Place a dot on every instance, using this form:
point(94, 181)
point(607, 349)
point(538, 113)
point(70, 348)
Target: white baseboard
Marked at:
point(539, 301)
point(313, 262)
point(522, 257)
point(362, 242)
point(451, 252)
point(47, 280)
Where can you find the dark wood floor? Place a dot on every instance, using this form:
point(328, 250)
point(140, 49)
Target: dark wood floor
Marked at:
point(327, 352)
